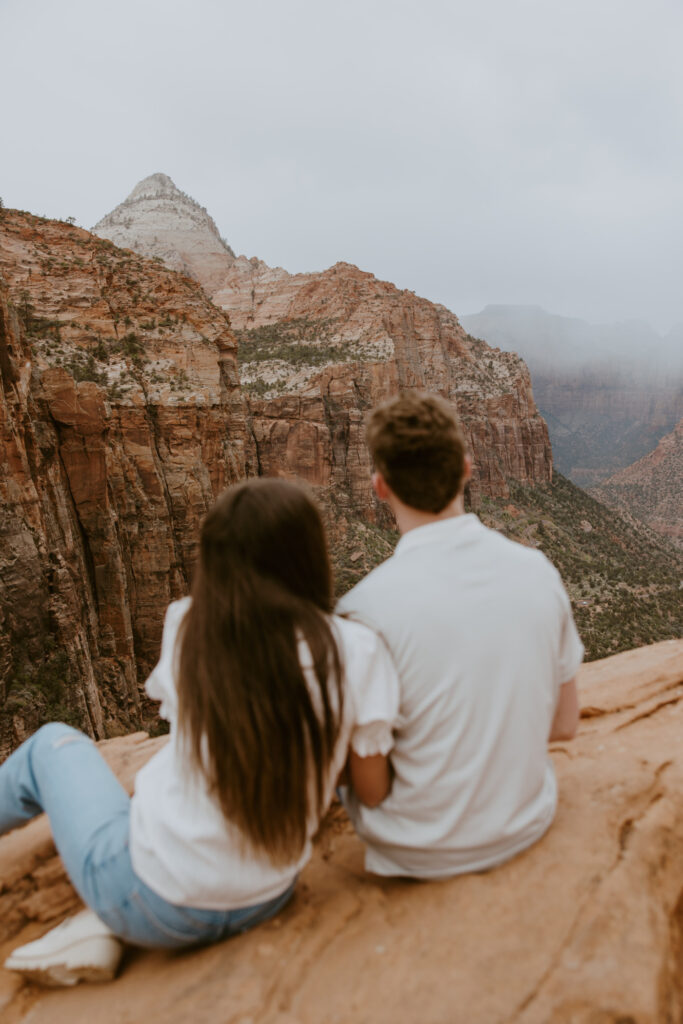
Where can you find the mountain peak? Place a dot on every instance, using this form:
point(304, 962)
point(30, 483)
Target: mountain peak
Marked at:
point(155, 185)
point(159, 220)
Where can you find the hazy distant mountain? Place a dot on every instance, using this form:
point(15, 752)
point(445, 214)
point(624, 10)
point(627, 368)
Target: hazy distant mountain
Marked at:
point(652, 488)
point(608, 392)
point(546, 340)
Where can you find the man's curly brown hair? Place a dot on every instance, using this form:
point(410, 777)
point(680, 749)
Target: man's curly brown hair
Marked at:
point(417, 445)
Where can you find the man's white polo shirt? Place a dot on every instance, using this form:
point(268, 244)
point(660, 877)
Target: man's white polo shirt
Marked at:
point(481, 631)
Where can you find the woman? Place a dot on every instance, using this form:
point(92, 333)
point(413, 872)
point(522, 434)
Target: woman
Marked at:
point(264, 690)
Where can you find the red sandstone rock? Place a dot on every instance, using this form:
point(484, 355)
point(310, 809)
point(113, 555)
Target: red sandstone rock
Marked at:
point(123, 418)
point(583, 928)
point(377, 340)
point(374, 340)
point(103, 481)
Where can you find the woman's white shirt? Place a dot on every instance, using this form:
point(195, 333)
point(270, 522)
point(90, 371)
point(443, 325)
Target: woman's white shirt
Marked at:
point(181, 845)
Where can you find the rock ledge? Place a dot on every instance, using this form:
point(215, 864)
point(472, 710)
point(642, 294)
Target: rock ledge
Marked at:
point(584, 928)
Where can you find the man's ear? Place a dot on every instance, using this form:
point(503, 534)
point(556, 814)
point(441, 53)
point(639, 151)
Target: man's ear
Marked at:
point(467, 469)
point(379, 486)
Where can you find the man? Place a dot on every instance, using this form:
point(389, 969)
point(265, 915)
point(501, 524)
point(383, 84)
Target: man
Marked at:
point(482, 635)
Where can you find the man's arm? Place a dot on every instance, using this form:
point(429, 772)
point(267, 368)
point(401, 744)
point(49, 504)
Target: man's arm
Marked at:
point(566, 720)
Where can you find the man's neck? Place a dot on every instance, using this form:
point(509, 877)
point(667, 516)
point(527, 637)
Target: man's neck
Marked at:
point(408, 519)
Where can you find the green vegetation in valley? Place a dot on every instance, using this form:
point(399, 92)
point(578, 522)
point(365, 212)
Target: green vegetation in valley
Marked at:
point(301, 341)
point(624, 581)
point(38, 687)
point(358, 548)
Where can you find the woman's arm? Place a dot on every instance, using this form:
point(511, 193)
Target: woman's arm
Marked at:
point(370, 777)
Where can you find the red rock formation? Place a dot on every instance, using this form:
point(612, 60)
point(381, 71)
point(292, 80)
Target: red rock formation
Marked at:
point(374, 340)
point(583, 928)
point(122, 419)
point(123, 406)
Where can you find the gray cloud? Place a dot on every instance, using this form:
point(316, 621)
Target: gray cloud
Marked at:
point(514, 152)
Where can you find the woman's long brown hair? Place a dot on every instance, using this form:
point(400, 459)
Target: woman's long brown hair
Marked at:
point(260, 733)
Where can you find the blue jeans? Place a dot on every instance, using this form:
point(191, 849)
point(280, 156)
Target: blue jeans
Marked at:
point(60, 771)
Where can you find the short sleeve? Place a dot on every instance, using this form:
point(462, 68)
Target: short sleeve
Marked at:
point(161, 683)
point(373, 686)
point(372, 738)
point(571, 649)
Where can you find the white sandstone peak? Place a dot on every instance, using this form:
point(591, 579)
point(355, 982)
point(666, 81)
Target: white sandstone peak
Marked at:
point(155, 185)
point(157, 219)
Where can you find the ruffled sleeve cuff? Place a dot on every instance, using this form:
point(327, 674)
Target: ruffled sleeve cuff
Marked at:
point(372, 738)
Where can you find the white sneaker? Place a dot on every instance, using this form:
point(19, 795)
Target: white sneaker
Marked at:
point(81, 948)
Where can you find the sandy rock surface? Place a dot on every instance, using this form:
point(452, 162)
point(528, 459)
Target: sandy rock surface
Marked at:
point(584, 928)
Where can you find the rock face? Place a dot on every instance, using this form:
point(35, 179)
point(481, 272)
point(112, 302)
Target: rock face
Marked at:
point(607, 392)
point(583, 928)
point(324, 348)
point(317, 350)
point(122, 419)
point(157, 219)
point(652, 488)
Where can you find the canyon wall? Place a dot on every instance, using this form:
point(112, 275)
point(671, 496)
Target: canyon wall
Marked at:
point(652, 488)
point(321, 349)
point(122, 419)
point(317, 350)
point(601, 423)
point(608, 392)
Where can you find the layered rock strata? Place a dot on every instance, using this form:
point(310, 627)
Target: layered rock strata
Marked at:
point(602, 421)
point(121, 419)
point(586, 927)
point(324, 348)
point(130, 407)
point(317, 350)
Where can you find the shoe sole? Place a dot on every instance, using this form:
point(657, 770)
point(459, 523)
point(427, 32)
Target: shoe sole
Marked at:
point(63, 976)
point(104, 957)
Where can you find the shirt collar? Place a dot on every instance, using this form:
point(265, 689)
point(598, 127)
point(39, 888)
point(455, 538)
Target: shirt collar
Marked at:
point(455, 530)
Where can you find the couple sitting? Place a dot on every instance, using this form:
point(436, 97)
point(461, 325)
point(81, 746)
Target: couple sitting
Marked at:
point(434, 689)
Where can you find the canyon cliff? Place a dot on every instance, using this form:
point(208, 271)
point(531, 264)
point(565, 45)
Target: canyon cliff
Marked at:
point(585, 927)
point(608, 392)
point(652, 488)
point(317, 350)
point(122, 418)
point(327, 348)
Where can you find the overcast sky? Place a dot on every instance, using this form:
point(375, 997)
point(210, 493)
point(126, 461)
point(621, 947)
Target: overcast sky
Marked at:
point(475, 151)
